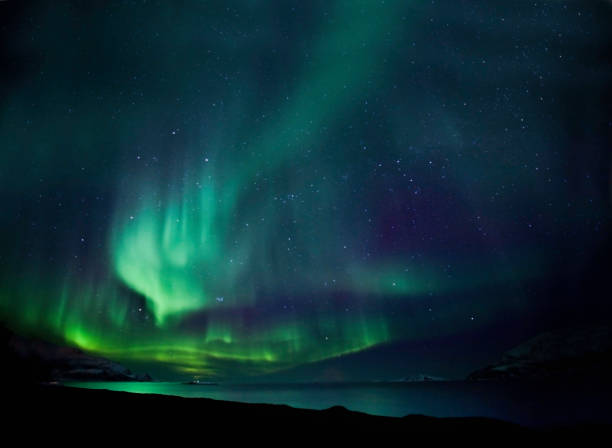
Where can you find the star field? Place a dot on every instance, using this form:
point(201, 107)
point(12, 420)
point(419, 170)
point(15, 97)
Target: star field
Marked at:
point(236, 189)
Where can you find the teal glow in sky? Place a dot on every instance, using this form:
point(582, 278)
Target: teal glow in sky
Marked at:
point(229, 191)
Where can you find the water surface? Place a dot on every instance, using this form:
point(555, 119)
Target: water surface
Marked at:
point(524, 403)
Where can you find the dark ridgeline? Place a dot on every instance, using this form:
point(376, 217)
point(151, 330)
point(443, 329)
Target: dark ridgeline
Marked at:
point(583, 353)
point(34, 360)
point(69, 414)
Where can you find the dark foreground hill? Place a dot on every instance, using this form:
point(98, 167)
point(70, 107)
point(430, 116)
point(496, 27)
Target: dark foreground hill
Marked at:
point(82, 414)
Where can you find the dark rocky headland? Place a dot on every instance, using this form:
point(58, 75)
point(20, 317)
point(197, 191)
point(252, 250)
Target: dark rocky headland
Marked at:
point(35, 360)
point(583, 353)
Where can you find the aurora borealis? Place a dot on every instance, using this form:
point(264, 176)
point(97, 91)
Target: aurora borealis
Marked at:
point(234, 189)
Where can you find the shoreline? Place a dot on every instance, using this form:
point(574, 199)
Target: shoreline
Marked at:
point(86, 410)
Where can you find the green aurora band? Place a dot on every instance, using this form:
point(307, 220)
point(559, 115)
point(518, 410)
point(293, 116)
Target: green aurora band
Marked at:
point(184, 256)
point(232, 262)
point(181, 251)
point(157, 250)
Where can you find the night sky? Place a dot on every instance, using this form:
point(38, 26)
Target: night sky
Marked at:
point(302, 190)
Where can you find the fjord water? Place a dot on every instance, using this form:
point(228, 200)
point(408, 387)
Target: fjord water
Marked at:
point(531, 404)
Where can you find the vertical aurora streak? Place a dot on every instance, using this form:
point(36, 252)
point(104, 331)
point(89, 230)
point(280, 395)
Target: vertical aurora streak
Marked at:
point(158, 254)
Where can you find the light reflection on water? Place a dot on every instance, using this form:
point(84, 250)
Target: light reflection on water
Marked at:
point(524, 403)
